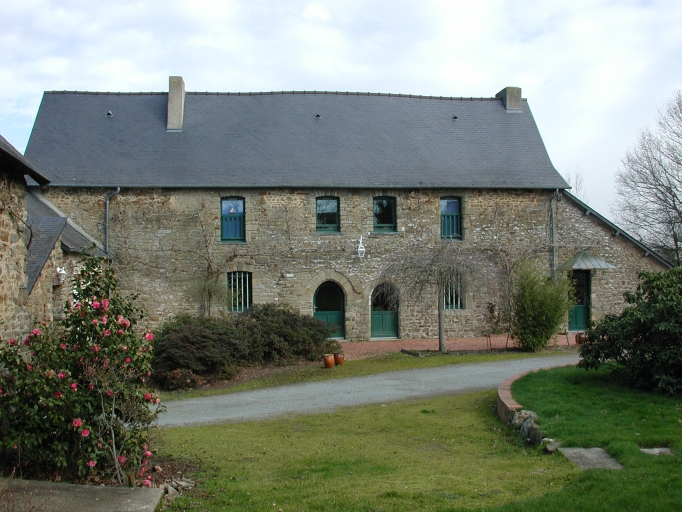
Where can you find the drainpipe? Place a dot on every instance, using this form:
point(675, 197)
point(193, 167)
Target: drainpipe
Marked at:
point(552, 203)
point(106, 220)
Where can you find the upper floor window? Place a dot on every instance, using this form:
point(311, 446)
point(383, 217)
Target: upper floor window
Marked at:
point(327, 214)
point(232, 219)
point(450, 218)
point(239, 288)
point(384, 214)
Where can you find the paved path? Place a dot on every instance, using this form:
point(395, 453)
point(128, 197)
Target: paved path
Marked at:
point(316, 397)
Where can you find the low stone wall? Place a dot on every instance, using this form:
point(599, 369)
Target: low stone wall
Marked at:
point(511, 412)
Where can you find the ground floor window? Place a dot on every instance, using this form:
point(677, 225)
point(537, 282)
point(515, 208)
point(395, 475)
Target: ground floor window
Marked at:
point(452, 294)
point(239, 288)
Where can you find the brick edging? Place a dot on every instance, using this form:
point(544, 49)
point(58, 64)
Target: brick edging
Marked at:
point(505, 400)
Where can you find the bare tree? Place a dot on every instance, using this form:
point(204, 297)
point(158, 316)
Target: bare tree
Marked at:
point(575, 178)
point(420, 273)
point(650, 183)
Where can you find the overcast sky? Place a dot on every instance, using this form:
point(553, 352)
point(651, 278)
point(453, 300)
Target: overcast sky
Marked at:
point(594, 72)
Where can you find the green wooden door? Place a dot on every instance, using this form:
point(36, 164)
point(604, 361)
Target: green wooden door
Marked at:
point(579, 315)
point(329, 306)
point(384, 312)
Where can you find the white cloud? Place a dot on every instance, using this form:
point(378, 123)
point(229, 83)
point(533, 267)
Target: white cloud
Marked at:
point(594, 71)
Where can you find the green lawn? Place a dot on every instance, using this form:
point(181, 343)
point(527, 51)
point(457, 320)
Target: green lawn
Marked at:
point(588, 409)
point(421, 455)
point(385, 363)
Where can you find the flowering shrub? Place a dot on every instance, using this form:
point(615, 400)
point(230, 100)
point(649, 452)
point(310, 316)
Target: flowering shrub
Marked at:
point(73, 398)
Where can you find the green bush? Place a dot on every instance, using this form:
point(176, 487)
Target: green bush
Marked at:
point(643, 344)
point(539, 306)
point(73, 399)
point(216, 348)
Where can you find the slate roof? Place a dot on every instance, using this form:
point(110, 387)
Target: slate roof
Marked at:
point(12, 160)
point(45, 232)
point(256, 140)
point(74, 239)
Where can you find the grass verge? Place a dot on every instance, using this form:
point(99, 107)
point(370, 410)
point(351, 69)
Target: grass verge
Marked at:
point(436, 454)
point(386, 363)
point(589, 409)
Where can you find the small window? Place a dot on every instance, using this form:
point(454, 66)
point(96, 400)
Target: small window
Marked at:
point(232, 219)
point(239, 288)
point(450, 218)
point(384, 214)
point(327, 217)
point(452, 294)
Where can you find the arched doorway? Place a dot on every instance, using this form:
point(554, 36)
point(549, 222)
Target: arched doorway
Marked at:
point(329, 306)
point(385, 311)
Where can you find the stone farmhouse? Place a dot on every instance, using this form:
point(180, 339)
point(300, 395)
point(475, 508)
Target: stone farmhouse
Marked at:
point(218, 201)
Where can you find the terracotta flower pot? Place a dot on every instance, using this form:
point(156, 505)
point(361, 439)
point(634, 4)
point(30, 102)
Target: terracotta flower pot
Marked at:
point(329, 360)
point(338, 358)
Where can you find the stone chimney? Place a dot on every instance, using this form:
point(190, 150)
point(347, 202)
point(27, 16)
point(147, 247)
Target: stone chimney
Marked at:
point(176, 103)
point(511, 97)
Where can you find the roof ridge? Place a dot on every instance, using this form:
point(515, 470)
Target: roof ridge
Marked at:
point(276, 93)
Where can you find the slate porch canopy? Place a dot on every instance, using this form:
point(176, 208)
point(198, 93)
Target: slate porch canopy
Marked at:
point(585, 261)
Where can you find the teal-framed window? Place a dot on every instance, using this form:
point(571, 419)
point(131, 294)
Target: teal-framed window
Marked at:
point(327, 218)
point(451, 217)
point(239, 288)
point(232, 219)
point(452, 294)
point(384, 214)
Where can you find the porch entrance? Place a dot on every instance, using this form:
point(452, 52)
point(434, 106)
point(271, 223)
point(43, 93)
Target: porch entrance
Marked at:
point(385, 311)
point(579, 315)
point(329, 306)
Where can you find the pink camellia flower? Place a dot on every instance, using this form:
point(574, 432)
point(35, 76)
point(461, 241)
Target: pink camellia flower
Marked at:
point(121, 459)
point(148, 397)
point(96, 348)
point(107, 332)
point(95, 321)
point(77, 422)
point(29, 367)
point(11, 342)
point(91, 386)
point(105, 319)
point(124, 348)
point(96, 359)
point(92, 463)
point(156, 402)
point(127, 323)
point(61, 375)
point(147, 453)
point(127, 359)
point(74, 386)
point(149, 336)
point(149, 374)
point(58, 394)
point(27, 342)
point(109, 393)
point(95, 304)
point(120, 319)
point(62, 346)
point(85, 432)
point(78, 305)
point(120, 331)
point(147, 483)
point(37, 332)
point(105, 304)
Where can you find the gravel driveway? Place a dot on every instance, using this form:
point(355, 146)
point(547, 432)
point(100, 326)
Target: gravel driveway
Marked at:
point(317, 397)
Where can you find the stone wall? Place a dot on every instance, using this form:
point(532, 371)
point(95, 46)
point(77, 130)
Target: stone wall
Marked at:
point(163, 240)
point(49, 294)
point(13, 297)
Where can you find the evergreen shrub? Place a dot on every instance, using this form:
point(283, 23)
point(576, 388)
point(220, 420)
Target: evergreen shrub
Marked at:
point(643, 344)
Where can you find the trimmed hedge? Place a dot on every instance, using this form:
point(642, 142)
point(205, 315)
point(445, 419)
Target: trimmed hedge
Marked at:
point(213, 348)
